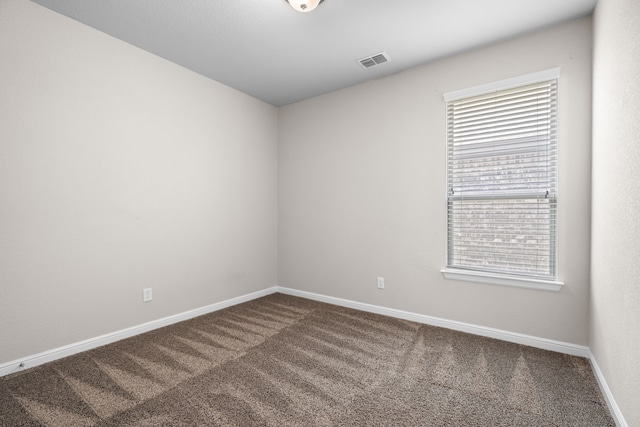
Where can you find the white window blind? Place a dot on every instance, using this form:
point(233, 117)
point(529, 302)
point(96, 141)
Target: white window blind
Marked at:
point(502, 168)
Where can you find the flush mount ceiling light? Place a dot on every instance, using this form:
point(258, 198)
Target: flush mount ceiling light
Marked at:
point(304, 5)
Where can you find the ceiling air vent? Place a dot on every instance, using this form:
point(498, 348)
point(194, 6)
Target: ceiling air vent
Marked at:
point(377, 59)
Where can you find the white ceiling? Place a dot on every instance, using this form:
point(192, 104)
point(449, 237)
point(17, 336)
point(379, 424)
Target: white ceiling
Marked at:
point(268, 50)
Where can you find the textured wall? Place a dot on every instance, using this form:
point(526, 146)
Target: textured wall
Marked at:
point(362, 190)
point(120, 171)
point(615, 262)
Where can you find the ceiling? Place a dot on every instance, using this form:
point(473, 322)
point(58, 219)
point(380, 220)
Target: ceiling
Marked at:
point(268, 50)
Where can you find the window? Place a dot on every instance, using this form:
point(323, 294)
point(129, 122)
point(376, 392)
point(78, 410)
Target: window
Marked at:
point(502, 168)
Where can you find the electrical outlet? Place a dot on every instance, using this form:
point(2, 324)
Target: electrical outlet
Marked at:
point(380, 282)
point(147, 295)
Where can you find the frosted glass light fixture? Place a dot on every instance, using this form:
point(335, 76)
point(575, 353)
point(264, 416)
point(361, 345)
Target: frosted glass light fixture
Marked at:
point(304, 5)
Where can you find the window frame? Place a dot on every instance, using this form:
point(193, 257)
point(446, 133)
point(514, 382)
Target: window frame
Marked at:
point(476, 275)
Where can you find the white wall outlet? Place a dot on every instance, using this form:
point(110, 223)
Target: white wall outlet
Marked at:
point(147, 295)
point(380, 282)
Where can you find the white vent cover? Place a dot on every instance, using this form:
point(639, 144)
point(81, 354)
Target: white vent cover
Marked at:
point(377, 59)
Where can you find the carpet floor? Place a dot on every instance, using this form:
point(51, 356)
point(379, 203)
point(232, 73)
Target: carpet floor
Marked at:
point(287, 361)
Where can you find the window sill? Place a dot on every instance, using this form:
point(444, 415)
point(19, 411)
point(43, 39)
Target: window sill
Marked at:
point(496, 279)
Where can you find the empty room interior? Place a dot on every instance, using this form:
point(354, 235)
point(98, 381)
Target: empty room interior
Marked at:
point(288, 182)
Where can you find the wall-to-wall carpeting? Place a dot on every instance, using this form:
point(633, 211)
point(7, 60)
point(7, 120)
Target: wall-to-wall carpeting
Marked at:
point(287, 361)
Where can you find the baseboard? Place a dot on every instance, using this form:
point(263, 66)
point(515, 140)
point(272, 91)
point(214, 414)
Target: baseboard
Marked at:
point(68, 350)
point(546, 344)
point(543, 343)
point(606, 392)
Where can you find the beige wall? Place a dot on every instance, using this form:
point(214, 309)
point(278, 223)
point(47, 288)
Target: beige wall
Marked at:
point(120, 171)
point(615, 262)
point(362, 190)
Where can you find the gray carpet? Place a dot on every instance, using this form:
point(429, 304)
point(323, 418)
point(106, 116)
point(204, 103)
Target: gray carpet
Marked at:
point(287, 361)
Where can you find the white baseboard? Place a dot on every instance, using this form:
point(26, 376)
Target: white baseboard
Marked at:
point(543, 343)
point(606, 392)
point(68, 350)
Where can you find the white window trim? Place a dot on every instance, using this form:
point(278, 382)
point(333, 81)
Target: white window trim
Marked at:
point(493, 278)
point(497, 279)
point(539, 76)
